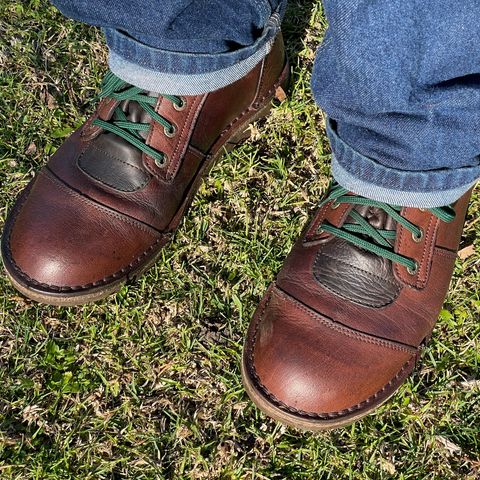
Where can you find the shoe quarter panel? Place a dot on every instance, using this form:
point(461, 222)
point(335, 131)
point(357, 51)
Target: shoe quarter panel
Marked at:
point(175, 146)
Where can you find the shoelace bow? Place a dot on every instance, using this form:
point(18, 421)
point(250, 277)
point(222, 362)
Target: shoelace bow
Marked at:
point(118, 89)
point(379, 243)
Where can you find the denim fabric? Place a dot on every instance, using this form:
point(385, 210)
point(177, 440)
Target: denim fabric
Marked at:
point(184, 84)
point(401, 80)
point(181, 37)
point(404, 198)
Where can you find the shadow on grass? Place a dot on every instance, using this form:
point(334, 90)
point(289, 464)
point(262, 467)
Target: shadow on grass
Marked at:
point(295, 23)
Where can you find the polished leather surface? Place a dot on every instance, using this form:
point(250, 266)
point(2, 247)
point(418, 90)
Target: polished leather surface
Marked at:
point(101, 209)
point(341, 329)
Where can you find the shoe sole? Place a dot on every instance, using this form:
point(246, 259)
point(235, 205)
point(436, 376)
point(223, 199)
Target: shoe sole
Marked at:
point(94, 294)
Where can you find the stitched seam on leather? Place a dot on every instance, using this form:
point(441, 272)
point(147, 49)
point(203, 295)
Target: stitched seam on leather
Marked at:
point(168, 176)
point(427, 246)
point(417, 283)
point(376, 305)
point(192, 123)
point(188, 121)
point(184, 126)
point(312, 236)
point(445, 252)
point(260, 82)
point(112, 157)
point(316, 222)
point(429, 249)
point(98, 206)
point(323, 415)
point(105, 280)
point(146, 159)
point(338, 413)
point(347, 331)
point(89, 131)
point(114, 276)
point(396, 267)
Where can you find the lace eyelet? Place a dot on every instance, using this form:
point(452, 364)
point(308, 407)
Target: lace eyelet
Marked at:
point(413, 271)
point(418, 238)
point(170, 132)
point(182, 106)
point(161, 163)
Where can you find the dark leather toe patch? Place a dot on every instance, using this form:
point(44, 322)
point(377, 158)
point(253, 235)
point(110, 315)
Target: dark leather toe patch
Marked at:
point(356, 274)
point(115, 163)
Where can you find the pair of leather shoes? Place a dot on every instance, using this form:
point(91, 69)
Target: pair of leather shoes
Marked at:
point(349, 313)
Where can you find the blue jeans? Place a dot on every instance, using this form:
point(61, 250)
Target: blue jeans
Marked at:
point(398, 79)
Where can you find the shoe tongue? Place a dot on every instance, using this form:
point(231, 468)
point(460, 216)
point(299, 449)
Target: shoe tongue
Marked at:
point(376, 217)
point(135, 113)
point(115, 162)
point(354, 273)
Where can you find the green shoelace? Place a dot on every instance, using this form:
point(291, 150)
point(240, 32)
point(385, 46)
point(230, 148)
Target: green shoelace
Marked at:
point(380, 238)
point(118, 89)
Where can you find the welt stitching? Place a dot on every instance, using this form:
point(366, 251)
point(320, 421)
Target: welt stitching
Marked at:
point(338, 413)
point(103, 281)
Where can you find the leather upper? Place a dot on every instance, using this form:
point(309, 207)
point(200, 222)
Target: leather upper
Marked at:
point(342, 327)
point(101, 207)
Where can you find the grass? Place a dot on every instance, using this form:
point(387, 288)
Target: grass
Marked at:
point(146, 384)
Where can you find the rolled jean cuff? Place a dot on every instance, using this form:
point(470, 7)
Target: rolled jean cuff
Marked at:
point(366, 177)
point(180, 73)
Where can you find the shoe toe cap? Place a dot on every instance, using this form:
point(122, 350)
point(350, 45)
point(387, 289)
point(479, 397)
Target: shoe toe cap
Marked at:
point(306, 363)
point(58, 239)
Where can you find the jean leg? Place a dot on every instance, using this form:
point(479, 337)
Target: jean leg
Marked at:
point(182, 46)
point(400, 83)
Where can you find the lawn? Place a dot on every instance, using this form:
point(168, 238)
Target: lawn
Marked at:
point(146, 384)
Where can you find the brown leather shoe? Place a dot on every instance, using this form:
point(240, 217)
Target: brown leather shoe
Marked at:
point(356, 300)
point(111, 197)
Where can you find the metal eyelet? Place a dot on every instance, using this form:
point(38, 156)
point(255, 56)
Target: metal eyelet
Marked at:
point(418, 238)
point(334, 205)
point(413, 271)
point(161, 163)
point(182, 106)
point(170, 132)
